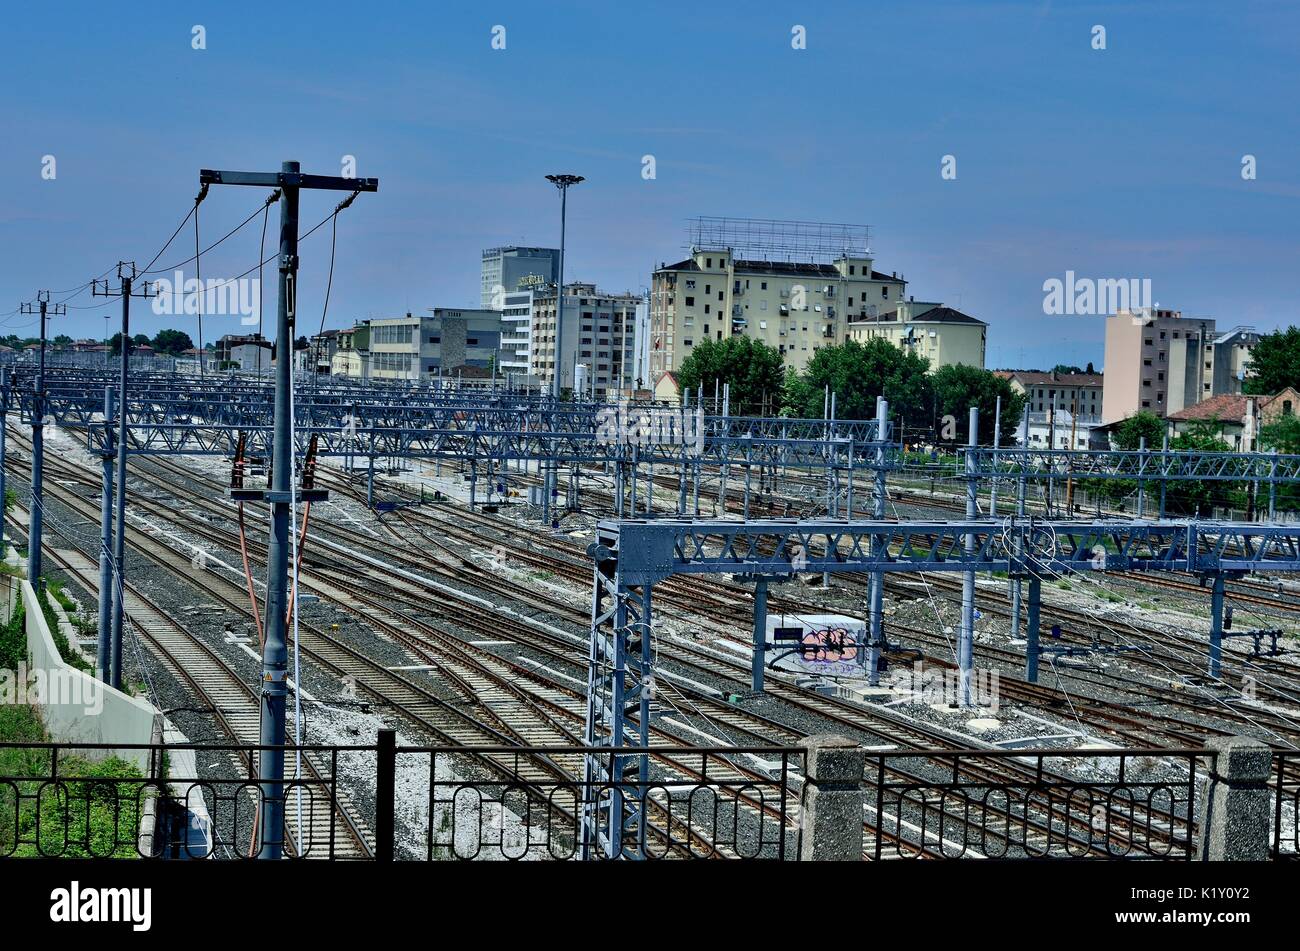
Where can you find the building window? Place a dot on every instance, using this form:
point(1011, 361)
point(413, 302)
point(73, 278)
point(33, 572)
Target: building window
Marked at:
point(690, 302)
point(765, 285)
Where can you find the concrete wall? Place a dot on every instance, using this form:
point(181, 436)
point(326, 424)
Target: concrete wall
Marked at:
point(78, 708)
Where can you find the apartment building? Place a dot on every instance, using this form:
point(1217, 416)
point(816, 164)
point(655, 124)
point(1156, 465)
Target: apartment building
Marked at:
point(942, 335)
point(517, 337)
point(352, 352)
point(507, 270)
point(1162, 362)
point(793, 307)
point(1062, 410)
point(1080, 393)
point(1232, 351)
point(425, 347)
point(243, 352)
point(599, 333)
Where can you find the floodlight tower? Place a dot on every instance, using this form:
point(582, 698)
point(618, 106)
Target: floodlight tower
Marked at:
point(561, 182)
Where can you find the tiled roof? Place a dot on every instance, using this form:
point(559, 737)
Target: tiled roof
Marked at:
point(1038, 378)
point(1225, 406)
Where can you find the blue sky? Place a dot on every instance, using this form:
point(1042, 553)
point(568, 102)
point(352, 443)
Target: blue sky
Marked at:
point(1123, 162)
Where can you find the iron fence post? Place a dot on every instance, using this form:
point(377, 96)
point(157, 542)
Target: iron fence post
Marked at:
point(385, 794)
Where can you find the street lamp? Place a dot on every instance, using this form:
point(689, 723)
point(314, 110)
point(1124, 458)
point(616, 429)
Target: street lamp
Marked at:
point(562, 182)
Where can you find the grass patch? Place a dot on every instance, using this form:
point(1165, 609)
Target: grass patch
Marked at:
point(70, 656)
point(13, 640)
point(94, 814)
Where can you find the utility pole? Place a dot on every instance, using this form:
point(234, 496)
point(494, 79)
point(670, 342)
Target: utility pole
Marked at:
point(4, 434)
point(280, 495)
point(126, 275)
point(35, 525)
point(104, 641)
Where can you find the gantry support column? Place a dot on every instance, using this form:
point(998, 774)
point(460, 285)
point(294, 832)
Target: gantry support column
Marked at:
point(760, 634)
point(877, 595)
point(1216, 625)
point(1032, 628)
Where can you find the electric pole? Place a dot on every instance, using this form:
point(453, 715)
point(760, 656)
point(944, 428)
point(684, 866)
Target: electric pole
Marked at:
point(35, 525)
point(126, 275)
point(280, 495)
point(4, 433)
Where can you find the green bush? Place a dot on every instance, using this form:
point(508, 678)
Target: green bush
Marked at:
point(95, 815)
point(13, 641)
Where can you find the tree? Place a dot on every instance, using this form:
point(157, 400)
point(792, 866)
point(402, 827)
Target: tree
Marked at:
point(62, 340)
point(957, 388)
point(172, 341)
point(141, 340)
point(857, 374)
point(1282, 435)
point(1274, 363)
point(1197, 497)
point(752, 368)
point(1129, 433)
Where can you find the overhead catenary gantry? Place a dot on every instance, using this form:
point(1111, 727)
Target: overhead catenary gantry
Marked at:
point(630, 556)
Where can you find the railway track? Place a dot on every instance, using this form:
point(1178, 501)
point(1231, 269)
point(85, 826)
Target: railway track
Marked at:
point(829, 708)
point(233, 703)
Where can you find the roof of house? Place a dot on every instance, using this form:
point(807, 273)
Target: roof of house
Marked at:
point(1039, 378)
point(935, 315)
point(794, 268)
point(467, 371)
point(944, 315)
point(1226, 407)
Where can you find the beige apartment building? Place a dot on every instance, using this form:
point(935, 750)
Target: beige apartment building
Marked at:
point(1162, 362)
point(793, 307)
point(1062, 410)
point(598, 339)
point(942, 335)
point(1080, 393)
